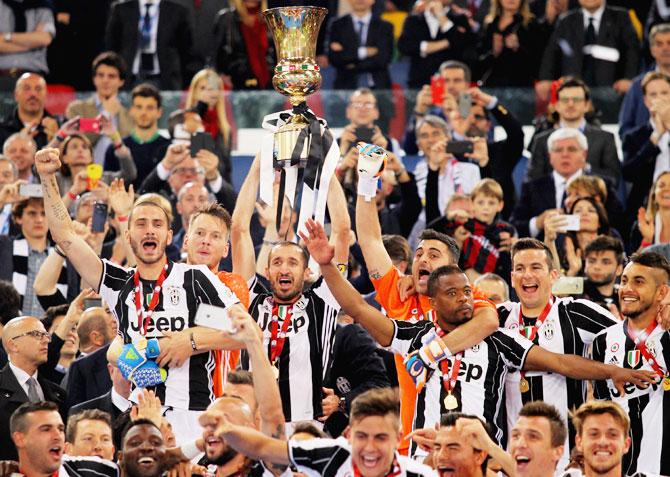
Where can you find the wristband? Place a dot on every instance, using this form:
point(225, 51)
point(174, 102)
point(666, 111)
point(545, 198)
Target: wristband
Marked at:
point(122, 218)
point(72, 195)
point(645, 244)
point(367, 187)
point(59, 251)
point(190, 450)
point(434, 352)
point(194, 347)
point(118, 146)
point(60, 137)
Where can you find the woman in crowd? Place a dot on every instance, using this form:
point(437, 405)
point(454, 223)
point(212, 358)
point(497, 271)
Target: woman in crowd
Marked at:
point(509, 45)
point(76, 154)
point(206, 95)
point(653, 223)
point(568, 246)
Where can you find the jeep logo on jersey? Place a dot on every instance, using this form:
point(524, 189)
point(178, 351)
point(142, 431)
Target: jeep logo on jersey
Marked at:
point(469, 371)
point(631, 388)
point(294, 328)
point(161, 323)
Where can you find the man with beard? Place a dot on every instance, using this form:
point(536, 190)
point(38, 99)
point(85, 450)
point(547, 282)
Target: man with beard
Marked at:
point(298, 325)
point(369, 451)
point(639, 342)
point(603, 264)
point(157, 296)
point(477, 389)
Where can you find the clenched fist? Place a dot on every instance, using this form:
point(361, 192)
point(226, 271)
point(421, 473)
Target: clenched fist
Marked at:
point(47, 161)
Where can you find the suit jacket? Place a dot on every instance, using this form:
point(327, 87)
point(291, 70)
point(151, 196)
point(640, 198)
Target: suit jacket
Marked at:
point(639, 162)
point(12, 396)
point(564, 56)
point(347, 63)
point(103, 403)
point(87, 377)
point(86, 108)
point(602, 155)
point(415, 30)
point(539, 195)
point(174, 39)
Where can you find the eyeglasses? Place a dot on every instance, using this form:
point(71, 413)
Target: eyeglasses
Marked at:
point(39, 335)
point(363, 105)
point(188, 170)
point(571, 99)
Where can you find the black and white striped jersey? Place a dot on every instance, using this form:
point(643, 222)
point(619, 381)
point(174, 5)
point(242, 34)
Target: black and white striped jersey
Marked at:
point(306, 353)
point(185, 287)
point(332, 458)
point(481, 378)
point(569, 328)
point(648, 409)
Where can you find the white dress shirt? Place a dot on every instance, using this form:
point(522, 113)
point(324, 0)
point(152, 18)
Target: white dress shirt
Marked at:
point(22, 377)
point(560, 184)
point(434, 27)
point(121, 403)
point(597, 16)
point(363, 36)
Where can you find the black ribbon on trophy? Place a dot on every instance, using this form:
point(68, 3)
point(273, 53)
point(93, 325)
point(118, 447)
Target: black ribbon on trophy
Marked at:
point(301, 146)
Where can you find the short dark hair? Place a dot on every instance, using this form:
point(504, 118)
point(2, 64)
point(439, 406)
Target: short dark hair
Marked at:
point(241, 376)
point(375, 402)
point(449, 420)
point(85, 415)
point(19, 207)
point(113, 59)
point(215, 210)
point(439, 272)
point(597, 408)
point(397, 247)
point(308, 428)
point(146, 90)
point(54, 312)
point(287, 243)
point(528, 243)
point(451, 244)
point(10, 302)
point(572, 82)
point(605, 243)
point(457, 65)
point(556, 422)
point(138, 422)
point(17, 422)
point(652, 260)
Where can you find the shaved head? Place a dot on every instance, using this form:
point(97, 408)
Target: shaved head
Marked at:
point(17, 326)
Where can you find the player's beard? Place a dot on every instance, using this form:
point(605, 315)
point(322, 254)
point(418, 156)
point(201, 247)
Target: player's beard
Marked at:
point(226, 456)
point(634, 314)
point(605, 281)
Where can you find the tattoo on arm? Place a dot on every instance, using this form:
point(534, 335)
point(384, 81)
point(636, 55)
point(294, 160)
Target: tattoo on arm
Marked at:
point(374, 274)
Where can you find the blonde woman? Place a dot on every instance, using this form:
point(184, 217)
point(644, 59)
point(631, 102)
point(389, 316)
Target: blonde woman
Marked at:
point(653, 223)
point(510, 45)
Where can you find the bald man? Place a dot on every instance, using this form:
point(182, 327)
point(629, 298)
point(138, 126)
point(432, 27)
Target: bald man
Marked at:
point(88, 377)
point(26, 342)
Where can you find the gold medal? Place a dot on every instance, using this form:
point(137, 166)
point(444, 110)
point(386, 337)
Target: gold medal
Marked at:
point(450, 402)
point(666, 383)
point(524, 387)
point(141, 344)
point(275, 371)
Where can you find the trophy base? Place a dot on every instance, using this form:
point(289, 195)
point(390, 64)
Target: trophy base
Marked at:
point(285, 140)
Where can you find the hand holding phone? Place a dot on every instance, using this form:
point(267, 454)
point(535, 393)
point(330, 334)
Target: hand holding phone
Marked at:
point(211, 316)
point(31, 190)
point(460, 148)
point(99, 217)
point(464, 104)
point(89, 125)
point(568, 286)
point(437, 88)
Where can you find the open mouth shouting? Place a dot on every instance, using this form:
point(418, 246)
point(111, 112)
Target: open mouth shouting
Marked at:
point(446, 471)
point(149, 245)
point(370, 461)
point(530, 288)
point(423, 274)
point(56, 452)
point(285, 282)
point(522, 462)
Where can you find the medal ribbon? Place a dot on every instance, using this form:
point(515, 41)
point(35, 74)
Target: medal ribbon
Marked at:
point(394, 472)
point(538, 324)
point(277, 337)
point(142, 318)
point(449, 379)
point(640, 340)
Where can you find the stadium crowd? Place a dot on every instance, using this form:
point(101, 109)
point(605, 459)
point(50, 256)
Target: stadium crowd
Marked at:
point(442, 320)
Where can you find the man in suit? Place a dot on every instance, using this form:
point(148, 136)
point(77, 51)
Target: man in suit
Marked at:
point(159, 50)
point(89, 433)
point(595, 42)
point(567, 154)
point(361, 48)
point(26, 342)
point(87, 376)
point(633, 112)
point(433, 36)
point(109, 74)
point(645, 150)
point(603, 159)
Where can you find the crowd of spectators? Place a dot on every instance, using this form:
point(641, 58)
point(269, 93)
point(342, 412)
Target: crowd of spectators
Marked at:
point(531, 288)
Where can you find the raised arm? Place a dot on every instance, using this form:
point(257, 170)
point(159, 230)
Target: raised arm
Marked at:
point(378, 325)
point(339, 220)
point(244, 257)
point(370, 238)
point(84, 259)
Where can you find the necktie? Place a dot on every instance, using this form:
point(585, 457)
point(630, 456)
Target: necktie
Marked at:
point(361, 38)
point(589, 63)
point(32, 390)
point(145, 31)
point(19, 11)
